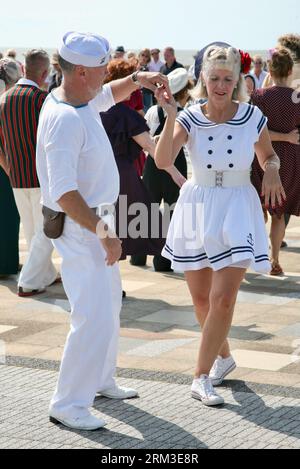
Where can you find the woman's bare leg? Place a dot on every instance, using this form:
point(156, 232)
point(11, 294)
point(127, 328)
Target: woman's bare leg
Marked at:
point(277, 234)
point(200, 283)
point(223, 295)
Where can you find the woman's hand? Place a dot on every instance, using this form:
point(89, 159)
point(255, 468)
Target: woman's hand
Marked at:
point(294, 137)
point(176, 175)
point(272, 189)
point(166, 101)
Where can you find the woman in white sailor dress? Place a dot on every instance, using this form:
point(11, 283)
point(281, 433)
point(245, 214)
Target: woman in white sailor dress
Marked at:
point(218, 230)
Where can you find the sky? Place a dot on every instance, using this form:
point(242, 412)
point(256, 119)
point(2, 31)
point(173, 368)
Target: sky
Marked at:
point(190, 24)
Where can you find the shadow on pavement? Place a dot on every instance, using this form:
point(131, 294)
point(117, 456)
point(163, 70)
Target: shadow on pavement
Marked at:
point(154, 432)
point(283, 419)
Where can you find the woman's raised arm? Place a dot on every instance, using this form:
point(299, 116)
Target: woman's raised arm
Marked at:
point(173, 136)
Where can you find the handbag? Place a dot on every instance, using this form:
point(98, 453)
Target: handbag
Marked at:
point(53, 223)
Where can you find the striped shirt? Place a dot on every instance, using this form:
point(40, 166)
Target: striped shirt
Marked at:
point(19, 114)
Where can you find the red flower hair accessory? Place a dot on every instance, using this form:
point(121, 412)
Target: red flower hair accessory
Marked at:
point(246, 62)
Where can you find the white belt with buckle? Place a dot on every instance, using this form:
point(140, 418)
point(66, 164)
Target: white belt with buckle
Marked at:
point(221, 178)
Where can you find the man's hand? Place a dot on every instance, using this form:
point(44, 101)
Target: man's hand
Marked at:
point(124, 87)
point(110, 241)
point(113, 249)
point(153, 80)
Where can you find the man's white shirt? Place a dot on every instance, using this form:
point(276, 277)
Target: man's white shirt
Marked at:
point(74, 152)
point(259, 81)
point(155, 67)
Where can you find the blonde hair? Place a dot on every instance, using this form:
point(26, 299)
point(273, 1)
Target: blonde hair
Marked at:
point(224, 58)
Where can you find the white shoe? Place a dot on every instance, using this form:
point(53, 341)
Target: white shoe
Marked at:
point(202, 390)
point(120, 393)
point(221, 368)
point(88, 423)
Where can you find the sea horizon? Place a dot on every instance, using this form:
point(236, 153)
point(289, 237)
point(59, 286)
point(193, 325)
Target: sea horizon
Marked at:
point(184, 56)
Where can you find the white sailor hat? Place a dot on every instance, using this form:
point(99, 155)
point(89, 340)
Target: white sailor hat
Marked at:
point(87, 49)
point(178, 79)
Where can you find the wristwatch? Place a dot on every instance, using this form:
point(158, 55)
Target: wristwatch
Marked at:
point(134, 78)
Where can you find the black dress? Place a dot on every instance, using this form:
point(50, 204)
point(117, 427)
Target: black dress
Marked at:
point(162, 187)
point(9, 234)
point(159, 183)
point(121, 124)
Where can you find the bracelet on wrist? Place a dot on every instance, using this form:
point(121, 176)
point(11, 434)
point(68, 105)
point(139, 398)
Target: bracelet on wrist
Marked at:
point(103, 231)
point(273, 163)
point(135, 78)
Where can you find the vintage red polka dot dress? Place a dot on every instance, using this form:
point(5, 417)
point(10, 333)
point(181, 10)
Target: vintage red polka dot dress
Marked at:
point(282, 108)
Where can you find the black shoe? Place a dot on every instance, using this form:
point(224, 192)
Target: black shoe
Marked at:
point(284, 245)
point(164, 270)
point(4, 277)
point(138, 261)
point(161, 264)
point(124, 294)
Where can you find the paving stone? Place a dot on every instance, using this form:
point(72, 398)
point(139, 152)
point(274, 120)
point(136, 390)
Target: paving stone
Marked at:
point(158, 352)
point(136, 426)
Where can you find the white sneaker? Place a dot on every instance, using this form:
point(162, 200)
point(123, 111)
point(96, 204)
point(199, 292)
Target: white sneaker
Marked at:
point(202, 390)
point(119, 392)
point(221, 368)
point(88, 423)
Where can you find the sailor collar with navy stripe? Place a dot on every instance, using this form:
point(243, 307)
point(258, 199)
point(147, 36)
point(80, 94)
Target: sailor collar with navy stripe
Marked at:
point(243, 115)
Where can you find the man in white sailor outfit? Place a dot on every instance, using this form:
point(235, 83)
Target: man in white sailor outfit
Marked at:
point(78, 173)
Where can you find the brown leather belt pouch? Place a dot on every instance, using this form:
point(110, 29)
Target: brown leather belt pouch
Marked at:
point(53, 223)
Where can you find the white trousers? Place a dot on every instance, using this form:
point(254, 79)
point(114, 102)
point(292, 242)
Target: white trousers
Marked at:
point(95, 295)
point(38, 271)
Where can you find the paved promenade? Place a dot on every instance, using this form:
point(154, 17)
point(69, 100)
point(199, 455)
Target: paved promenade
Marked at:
point(158, 347)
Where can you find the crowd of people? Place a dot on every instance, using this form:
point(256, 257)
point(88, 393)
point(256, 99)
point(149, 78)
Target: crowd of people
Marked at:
point(159, 185)
point(83, 152)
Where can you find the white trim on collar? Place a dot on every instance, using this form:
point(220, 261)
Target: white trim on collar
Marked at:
point(25, 81)
point(242, 116)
